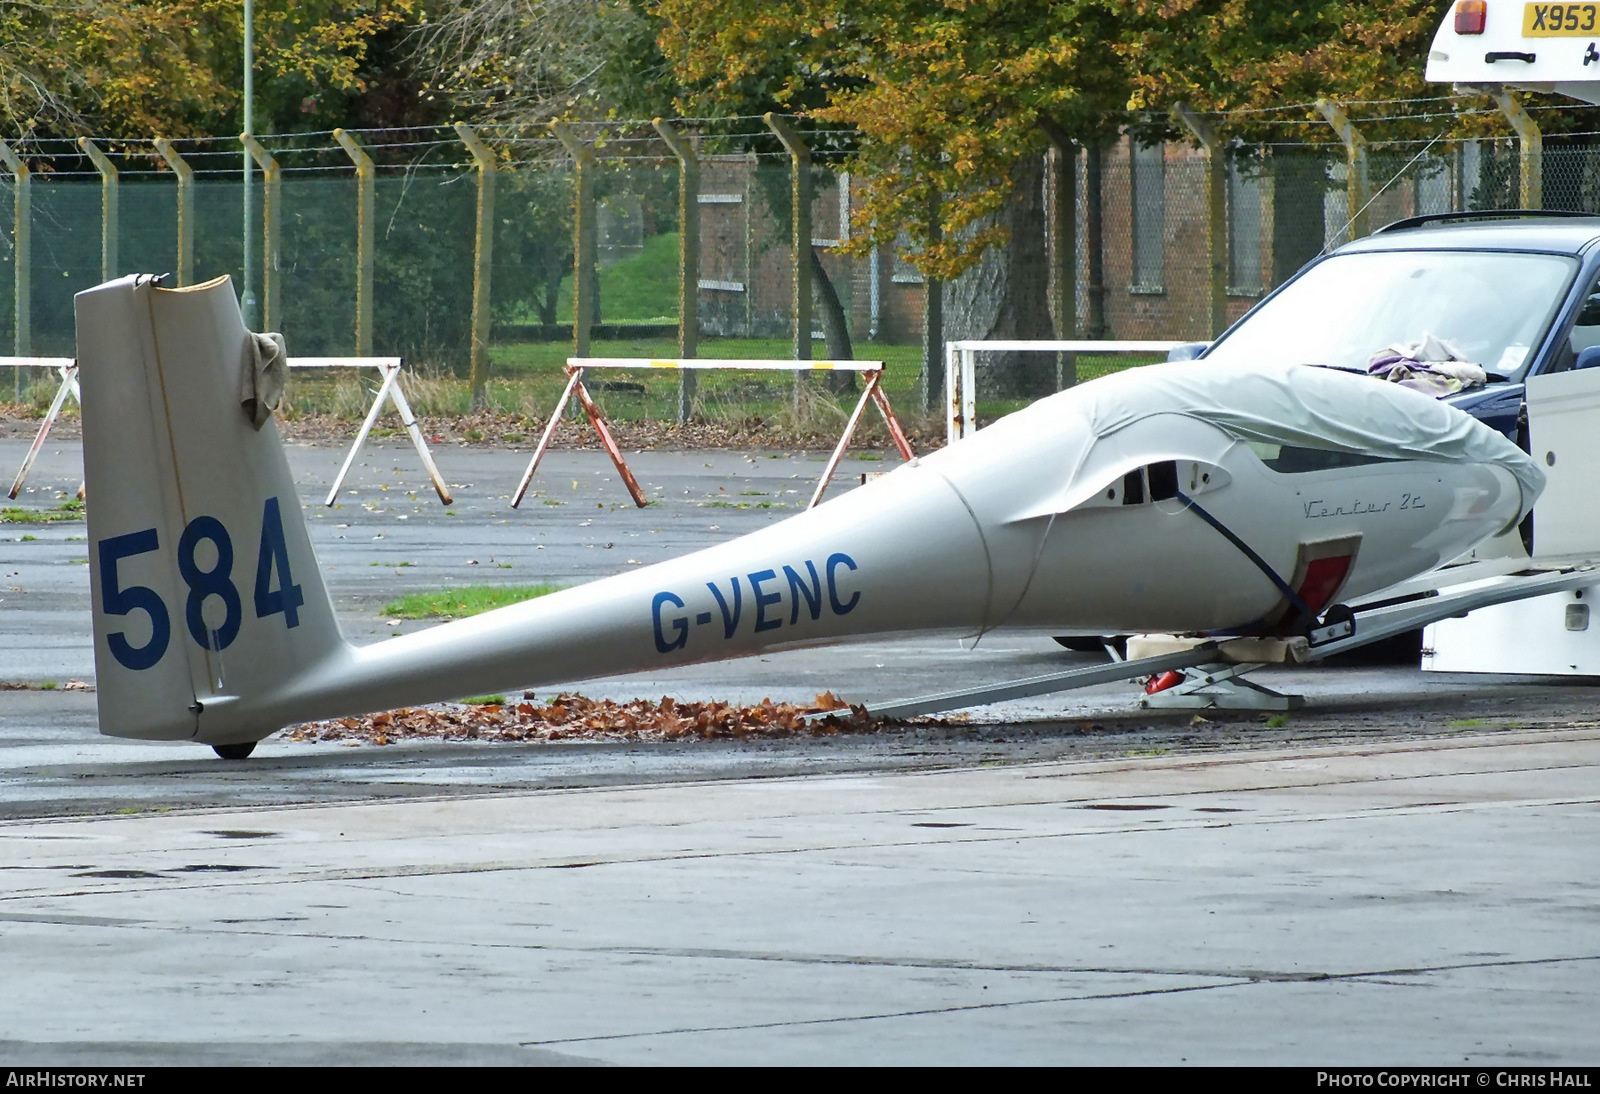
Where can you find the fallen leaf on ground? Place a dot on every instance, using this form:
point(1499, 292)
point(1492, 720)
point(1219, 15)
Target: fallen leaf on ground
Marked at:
point(574, 717)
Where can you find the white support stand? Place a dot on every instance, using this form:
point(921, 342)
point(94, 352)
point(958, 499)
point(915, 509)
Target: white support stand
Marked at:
point(1220, 687)
point(388, 391)
point(576, 366)
point(960, 371)
point(68, 368)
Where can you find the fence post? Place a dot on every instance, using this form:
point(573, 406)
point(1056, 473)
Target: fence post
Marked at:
point(1216, 212)
point(1355, 147)
point(108, 207)
point(1062, 166)
point(22, 254)
point(482, 265)
point(800, 219)
point(1094, 251)
point(688, 259)
point(932, 321)
point(271, 187)
point(583, 238)
point(1530, 143)
point(365, 186)
point(185, 177)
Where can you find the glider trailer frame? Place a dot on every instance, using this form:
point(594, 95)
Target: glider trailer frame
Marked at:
point(1212, 669)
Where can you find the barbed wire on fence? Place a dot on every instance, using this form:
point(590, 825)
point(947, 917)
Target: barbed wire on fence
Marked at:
point(1286, 201)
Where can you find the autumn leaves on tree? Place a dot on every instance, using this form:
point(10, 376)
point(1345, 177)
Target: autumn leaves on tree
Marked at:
point(949, 97)
point(134, 68)
point(946, 106)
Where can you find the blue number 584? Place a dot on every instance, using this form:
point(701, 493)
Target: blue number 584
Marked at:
point(271, 561)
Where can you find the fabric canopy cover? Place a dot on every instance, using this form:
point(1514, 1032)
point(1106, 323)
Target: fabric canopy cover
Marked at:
point(1302, 406)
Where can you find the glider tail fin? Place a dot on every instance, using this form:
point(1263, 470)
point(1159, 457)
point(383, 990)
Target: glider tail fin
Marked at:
point(207, 596)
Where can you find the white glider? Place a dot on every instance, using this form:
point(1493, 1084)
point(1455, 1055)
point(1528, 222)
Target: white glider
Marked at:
point(1182, 498)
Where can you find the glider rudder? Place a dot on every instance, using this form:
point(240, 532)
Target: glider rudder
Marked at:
point(207, 596)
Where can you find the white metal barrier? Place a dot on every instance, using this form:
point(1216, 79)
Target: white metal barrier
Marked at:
point(388, 390)
point(576, 366)
point(391, 391)
point(68, 368)
point(960, 368)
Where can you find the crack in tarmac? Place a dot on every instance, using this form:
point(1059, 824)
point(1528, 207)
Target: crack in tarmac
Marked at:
point(1237, 981)
point(850, 960)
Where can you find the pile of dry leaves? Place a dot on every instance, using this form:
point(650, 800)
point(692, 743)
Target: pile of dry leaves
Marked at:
point(573, 717)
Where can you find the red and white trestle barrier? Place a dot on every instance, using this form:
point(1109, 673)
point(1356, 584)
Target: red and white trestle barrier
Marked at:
point(872, 371)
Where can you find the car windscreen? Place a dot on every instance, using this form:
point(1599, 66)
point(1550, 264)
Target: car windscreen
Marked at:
point(1492, 306)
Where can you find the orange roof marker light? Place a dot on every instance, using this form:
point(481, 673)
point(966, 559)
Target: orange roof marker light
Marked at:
point(1471, 16)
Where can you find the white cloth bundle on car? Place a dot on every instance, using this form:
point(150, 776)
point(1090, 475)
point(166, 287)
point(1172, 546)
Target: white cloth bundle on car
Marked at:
point(1432, 366)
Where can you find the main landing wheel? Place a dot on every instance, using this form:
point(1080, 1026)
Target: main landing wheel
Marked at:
point(235, 752)
point(1081, 644)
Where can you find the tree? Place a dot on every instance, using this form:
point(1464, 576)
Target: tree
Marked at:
point(951, 99)
point(533, 244)
point(135, 68)
point(1252, 54)
point(947, 97)
point(1267, 62)
point(947, 100)
point(530, 61)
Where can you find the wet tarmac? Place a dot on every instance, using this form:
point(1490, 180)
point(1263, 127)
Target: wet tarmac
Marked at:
point(1431, 902)
point(1410, 877)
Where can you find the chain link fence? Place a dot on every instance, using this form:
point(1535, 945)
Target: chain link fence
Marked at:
point(1142, 245)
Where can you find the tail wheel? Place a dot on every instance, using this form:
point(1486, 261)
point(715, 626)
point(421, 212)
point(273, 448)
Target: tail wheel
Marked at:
point(235, 752)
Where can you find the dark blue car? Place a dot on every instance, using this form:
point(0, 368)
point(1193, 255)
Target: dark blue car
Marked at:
point(1517, 292)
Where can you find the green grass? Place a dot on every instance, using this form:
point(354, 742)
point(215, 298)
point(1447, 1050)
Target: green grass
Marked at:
point(529, 376)
point(71, 509)
point(526, 379)
point(1464, 723)
point(641, 289)
point(464, 601)
point(903, 363)
point(483, 701)
point(1277, 721)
